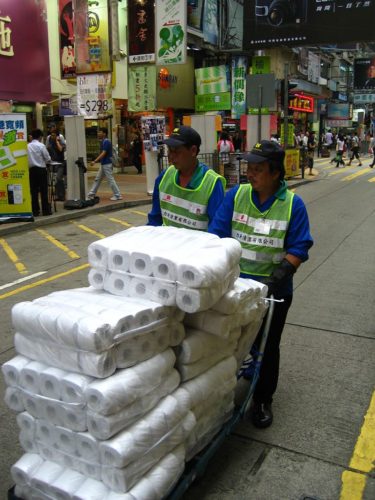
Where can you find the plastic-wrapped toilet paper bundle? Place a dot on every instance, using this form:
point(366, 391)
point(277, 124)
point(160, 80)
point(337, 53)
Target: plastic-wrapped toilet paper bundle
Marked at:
point(26, 423)
point(67, 484)
point(44, 476)
point(141, 287)
point(65, 440)
point(242, 290)
point(117, 283)
point(199, 344)
point(97, 252)
point(73, 418)
point(87, 447)
point(91, 489)
point(135, 350)
point(85, 362)
point(13, 399)
point(27, 442)
point(212, 322)
point(192, 300)
point(104, 427)
point(73, 386)
point(12, 368)
point(32, 406)
point(23, 469)
point(97, 278)
point(122, 479)
point(137, 440)
point(125, 386)
point(191, 370)
point(50, 382)
point(164, 292)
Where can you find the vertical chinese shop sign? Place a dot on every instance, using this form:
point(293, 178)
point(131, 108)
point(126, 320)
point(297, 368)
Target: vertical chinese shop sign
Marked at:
point(141, 31)
point(171, 31)
point(15, 199)
point(91, 37)
point(239, 68)
point(66, 35)
point(142, 88)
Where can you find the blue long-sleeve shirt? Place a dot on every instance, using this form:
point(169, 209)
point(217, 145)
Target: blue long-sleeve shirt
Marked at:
point(155, 218)
point(298, 239)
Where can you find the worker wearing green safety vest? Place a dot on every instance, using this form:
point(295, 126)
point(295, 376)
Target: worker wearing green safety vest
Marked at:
point(188, 193)
point(272, 226)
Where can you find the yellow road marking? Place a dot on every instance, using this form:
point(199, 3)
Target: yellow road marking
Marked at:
point(338, 171)
point(353, 176)
point(372, 179)
point(363, 458)
point(89, 230)
point(43, 282)
point(138, 212)
point(58, 243)
point(21, 268)
point(118, 221)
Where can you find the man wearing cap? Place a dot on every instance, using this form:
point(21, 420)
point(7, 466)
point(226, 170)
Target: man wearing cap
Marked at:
point(272, 225)
point(188, 193)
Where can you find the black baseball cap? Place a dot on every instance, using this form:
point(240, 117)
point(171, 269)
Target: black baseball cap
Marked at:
point(183, 136)
point(265, 150)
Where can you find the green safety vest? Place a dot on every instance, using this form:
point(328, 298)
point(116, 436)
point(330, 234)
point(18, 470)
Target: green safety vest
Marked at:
point(182, 207)
point(261, 234)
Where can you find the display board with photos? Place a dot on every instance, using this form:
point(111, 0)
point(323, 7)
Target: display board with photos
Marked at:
point(153, 129)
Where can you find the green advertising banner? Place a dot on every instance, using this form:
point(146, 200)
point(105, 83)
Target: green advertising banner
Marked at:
point(142, 88)
point(239, 69)
point(213, 102)
point(212, 80)
point(15, 198)
point(260, 65)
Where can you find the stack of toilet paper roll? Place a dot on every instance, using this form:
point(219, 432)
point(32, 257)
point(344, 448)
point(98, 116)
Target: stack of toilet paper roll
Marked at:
point(183, 267)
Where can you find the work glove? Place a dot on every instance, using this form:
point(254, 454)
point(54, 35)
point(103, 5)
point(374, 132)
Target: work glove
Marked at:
point(279, 277)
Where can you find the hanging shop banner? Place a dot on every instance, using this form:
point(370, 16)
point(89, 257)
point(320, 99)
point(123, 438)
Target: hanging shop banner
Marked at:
point(210, 22)
point(364, 98)
point(153, 130)
point(142, 88)
point(94, 96)
point(66, 32)
point(171, 31)
point(91, 37)
point(290, 137)
point(212, 80)
point(338, 111)
point(239, 69)
point(141, 28)
point(68, 106)
point(15, 199)
point(260, 65)
point(194, 14)
point(364, 74)
point(271, 23)
point(24, 51)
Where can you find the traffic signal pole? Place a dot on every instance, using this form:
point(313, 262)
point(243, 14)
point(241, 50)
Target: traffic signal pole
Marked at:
point(286, 103)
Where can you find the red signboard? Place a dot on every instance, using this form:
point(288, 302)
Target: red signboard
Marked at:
point(24, 58)
point(301, 102)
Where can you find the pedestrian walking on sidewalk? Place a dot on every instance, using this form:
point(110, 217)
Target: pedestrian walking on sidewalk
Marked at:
point(137, 152)
point(354, 149)
point(272, 226)
point(38, 158)
point(372, 150)
point(340, 145)
point(106, 167)
point(311, 145)
point(188, 193)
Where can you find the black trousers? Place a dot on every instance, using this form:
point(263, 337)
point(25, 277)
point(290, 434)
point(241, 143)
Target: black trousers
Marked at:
point(39, 184)
point(269, 371)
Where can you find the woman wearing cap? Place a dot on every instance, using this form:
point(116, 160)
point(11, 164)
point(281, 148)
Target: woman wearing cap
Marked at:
point(188, 193)
point(272, 225)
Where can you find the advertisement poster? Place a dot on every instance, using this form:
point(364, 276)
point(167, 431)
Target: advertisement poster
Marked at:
point(153, 129)
point(94, 96)
point(142, 88)
point(212, 79)
point(291, 162)
point(24, 51)
point(306, 22)
point(141, 31)
point(210, 22)
point(15, 198)
point(171, 35)
point(66, 35)
point(364, 74)
point(239, 69)
point(91, 37)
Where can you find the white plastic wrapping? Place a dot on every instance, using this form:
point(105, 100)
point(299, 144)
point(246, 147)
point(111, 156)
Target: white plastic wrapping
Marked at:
point(191, 370)
point(199, 344)
point(13, 399)
point(30, 376)
point(73, 386)
point(12, 368)
point(50, 382)
point(23, 469)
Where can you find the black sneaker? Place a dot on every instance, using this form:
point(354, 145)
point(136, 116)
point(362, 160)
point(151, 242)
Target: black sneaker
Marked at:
point(261, 415)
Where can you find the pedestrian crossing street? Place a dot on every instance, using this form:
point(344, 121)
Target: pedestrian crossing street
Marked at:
point(348, 172)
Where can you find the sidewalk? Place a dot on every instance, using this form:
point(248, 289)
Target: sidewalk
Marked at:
point(133, 188)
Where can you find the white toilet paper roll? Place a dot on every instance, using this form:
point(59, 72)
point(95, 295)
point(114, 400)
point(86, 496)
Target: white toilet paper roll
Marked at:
point(13, 399)
point(64, 487)
point(97, 278)
point(140, 263)
point(50, 382)
point(26, 423)
point(91, 490)
point(52, 411)
point(164, 268)
point(65, 440)
point(164, 292)
point(12, 368)
point(45, 435)
point(117, 283)
point(134, 350)
point(177, 333)
point(30, 376)
point(141, 287)
point(119, 260)
point(73, 418)
point(73, 386)
point(25, 467)
point(87, 447)
point(44, 476)
point(27, 442)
